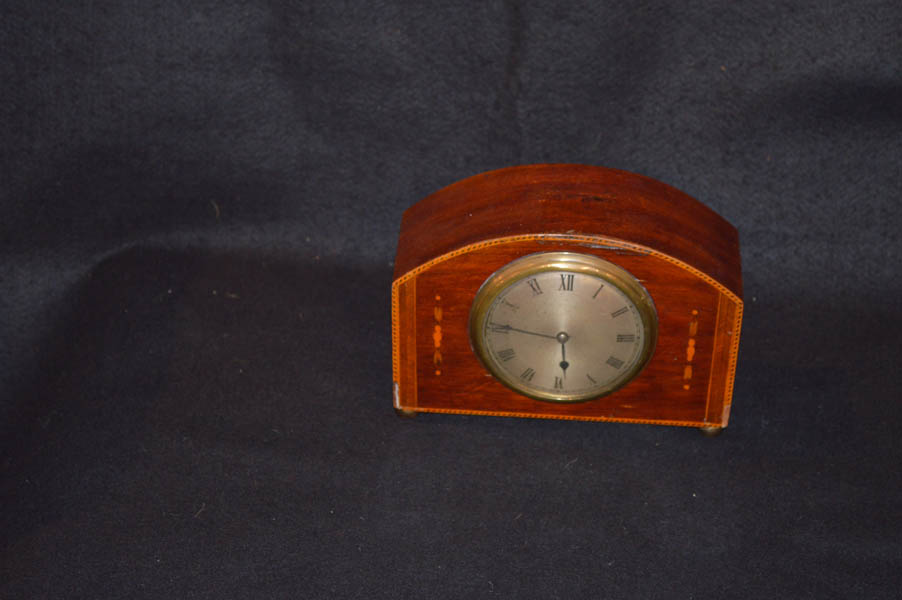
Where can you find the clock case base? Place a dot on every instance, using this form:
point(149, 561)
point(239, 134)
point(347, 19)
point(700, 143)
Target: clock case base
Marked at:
point(685, 255)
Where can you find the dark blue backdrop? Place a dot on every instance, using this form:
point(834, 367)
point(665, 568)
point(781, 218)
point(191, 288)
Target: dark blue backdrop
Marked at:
point(200, 203)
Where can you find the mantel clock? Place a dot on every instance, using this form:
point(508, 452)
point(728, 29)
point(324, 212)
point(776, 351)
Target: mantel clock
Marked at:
point(568, 292)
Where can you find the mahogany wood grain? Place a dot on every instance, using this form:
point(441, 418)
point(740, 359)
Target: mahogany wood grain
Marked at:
point(454, 240)
point(565, 199)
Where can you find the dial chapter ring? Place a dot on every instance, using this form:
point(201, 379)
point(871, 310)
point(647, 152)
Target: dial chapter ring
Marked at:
point(564, 262)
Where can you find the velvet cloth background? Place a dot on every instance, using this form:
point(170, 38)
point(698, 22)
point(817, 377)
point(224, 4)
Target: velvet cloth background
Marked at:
point(200, 204)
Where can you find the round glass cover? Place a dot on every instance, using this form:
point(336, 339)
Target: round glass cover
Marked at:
point(563, 326)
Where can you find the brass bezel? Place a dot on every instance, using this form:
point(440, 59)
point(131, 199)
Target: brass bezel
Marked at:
point(574, 262)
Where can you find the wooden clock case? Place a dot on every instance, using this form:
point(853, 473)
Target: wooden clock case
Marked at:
point(685, 255)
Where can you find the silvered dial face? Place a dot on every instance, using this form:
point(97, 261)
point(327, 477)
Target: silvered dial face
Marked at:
point(563, 331)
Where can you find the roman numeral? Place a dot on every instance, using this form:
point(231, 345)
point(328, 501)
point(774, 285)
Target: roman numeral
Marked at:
point(596, 291)
point(615, 362)
point(496, 328)
point(619, 312)
point(558, 383)
point(510, 305)
point(627, 337)
point(589, 377)
point(527, 375)
point(566, 282)
point(506, 354)
point(534, 286)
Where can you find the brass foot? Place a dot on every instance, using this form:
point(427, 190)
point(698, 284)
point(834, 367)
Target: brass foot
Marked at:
point(405, 413)
point(711, 431)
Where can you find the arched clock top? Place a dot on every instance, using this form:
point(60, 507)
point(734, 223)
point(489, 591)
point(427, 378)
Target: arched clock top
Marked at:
point(570, 199)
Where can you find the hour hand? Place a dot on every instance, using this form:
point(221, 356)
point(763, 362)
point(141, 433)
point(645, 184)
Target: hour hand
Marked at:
point(562, 338)
point(498, 328)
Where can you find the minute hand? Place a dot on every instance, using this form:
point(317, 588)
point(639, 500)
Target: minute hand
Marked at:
point(509, 328)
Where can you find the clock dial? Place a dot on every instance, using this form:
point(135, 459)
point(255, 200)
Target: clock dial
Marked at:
point(563, 326)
